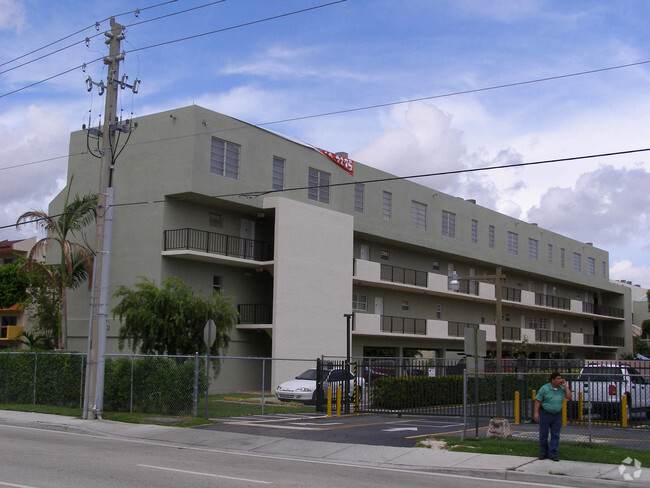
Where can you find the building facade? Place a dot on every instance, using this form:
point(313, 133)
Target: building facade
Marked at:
point(300, 237)
point(13, 319)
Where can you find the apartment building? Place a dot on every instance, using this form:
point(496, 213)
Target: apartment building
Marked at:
point(12, 316)
point(301, 236)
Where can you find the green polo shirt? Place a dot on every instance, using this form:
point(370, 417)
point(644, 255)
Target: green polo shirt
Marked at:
point(551, 400)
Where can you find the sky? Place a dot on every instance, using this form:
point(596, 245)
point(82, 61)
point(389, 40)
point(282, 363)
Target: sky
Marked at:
point(411, 87)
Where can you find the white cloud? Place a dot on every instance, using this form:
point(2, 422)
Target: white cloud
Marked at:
point(624, 270)
point(609, 206)
point(12, 15)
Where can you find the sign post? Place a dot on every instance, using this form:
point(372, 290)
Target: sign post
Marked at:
point(209, 336)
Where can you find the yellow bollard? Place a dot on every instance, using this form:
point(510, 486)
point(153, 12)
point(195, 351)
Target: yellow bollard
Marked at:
point(338, 401)
point(517, 407)
point(624, 411)
point(580, 418)
point(564, 412)
point(329, 401)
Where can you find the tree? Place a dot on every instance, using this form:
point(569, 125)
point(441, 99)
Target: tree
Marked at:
point(170, 319)
point(13, 285)
point(76, 259)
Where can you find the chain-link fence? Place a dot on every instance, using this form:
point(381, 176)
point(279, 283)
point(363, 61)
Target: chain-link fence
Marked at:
point(156, 385)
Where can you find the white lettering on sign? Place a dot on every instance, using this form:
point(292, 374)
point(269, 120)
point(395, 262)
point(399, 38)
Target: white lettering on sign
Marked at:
point(345, 163)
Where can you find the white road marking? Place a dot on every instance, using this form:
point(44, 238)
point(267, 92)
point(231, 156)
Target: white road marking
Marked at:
point(211, 475)
point(397, 429)
point(13, 485)
point(274, 426)
point(320, 424)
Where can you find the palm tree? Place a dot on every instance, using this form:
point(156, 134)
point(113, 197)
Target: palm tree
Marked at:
point(76, 215)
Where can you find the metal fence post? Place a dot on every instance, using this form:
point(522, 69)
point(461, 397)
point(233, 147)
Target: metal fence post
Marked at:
point(462, 437)
point(34, 381)
point(263, 382)
point(131, 400)
point(81, 385)
point(195, 402)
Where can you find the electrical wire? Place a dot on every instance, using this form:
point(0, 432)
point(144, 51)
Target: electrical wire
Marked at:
point(96, 25)
point(257, 194)
point(246, 24)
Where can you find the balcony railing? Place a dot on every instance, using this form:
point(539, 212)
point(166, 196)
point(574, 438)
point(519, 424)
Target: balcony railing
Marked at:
point(552, 336)
point(210, 242)
point(609, 341)
point(511, 333)
point(552, 301)
point(602, 310)
point(511, 294)
point(469, 287)
point(403, 325)
point(255, 313)
point(403, 275)
point(457, 329)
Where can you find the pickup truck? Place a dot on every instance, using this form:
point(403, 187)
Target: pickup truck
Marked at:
point(604, 385)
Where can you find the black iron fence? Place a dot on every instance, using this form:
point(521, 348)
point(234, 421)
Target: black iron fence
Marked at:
point(211, 242)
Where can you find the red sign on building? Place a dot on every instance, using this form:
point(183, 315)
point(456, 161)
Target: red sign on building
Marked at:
point(345, 163)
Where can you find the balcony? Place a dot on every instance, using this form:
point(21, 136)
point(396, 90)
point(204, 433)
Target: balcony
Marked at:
point(403, 275)
point(552, 336)
point(403, 325)
point(213, 243)
point(552, 301)
point(511, 294)
point(255, 313)
point(597, 309)
point(609, 341)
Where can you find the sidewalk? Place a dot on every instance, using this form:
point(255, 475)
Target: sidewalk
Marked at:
point(515, 468)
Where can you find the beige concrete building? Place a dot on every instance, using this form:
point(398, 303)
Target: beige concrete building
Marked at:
point(301, 237)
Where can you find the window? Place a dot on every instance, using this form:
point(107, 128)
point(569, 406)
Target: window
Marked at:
point(9, 260)
point(278, 173)
point(419, 215)
point(406, 305)
point(550, 254)
point(8, 321)
point(439, 312)
point(358, 197)
point(384, 255)
point(532, 249)
point(360, 302)
point(562, 257)
point(604, 269)
point(386, 205)
point(491, 237)
point(448, 224)
point(474, 231)
point(319, 189)
point(224, 158)
point(537, 323)
point(216, 220)
point(576, 262)
point(216, 283)
point(591, 266)
point(513, 243)
point(435, 265)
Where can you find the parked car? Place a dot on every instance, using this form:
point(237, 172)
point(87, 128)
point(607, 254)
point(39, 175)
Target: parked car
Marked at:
point(388, 368)
point(605, 385)
point(303, 387)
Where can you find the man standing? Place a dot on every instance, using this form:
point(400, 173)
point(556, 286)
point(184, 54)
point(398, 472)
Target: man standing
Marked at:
point(548, 413)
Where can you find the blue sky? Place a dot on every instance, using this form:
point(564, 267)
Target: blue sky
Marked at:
point(364, 53)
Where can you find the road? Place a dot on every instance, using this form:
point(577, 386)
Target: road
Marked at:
point(39, 458)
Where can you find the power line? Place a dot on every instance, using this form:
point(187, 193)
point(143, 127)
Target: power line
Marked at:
point(96, 25)
point(257, 194)
point(88, 39)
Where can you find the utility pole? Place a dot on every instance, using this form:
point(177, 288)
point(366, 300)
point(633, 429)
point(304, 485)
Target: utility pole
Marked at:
point(94, 391)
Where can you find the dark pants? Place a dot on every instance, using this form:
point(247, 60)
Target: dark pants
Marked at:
point(549, 422)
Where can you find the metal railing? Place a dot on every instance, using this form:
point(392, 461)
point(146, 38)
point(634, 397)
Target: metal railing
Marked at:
point(511, 294)
point(404, 275)
point(552, 336)
point(457, 329)
point(469, 287)
point(597, 309)
point(403, 325)
point(211, 242)
point(552, 301)
point(255, 313)
point(511, 333)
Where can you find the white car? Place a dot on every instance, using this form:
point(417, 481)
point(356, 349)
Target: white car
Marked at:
point(303, 388)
